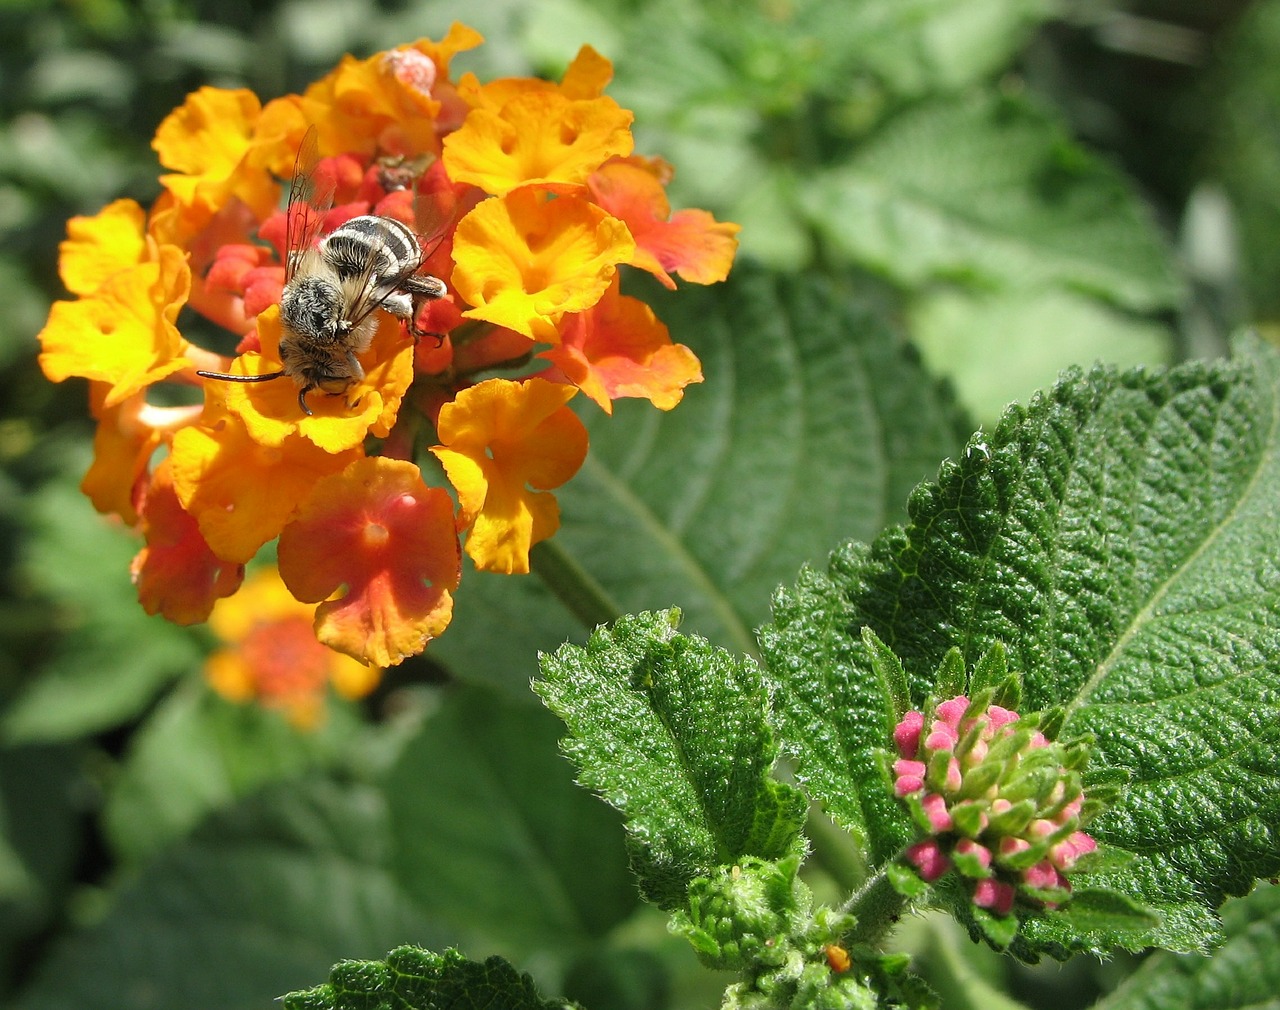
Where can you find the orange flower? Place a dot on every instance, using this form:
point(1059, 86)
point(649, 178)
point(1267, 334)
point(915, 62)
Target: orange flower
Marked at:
point(504, 444)
point(586, 77)
point(538, 137)
point(123, 333)
point(176, 573)
point(98, 247)
point(271, 412)
point(209, 143)
point(241, 492)
point(127, 436)
point(691, 242)
point(271, 654)
point(524, 259)
point(619, 348)
point(386, 537)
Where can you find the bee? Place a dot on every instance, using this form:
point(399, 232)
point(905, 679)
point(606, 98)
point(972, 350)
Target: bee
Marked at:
point(333, 287)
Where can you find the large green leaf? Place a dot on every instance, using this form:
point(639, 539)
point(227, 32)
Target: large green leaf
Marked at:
point(1119, 537)
point(1243, 974)
point(492, 836)
point(993, 192)
point(260, 901)
point(674, 734)
point(813, 424)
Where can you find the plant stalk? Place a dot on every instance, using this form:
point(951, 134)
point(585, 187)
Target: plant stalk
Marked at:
point(573, 585)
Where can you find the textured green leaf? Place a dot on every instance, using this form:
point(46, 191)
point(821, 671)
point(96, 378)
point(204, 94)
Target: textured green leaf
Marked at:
point(813, 424)
point(493, 836)
point(993, 192)
point(1119, 536)
point(415, 979)
point(263, 899)
point(673, 733)
point(1243, 974)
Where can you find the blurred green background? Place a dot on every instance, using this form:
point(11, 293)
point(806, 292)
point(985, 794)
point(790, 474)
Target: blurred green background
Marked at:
point(915, 149)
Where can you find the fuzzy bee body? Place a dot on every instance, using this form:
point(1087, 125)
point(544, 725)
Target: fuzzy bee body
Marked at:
point(333, 287)
point(327, 306)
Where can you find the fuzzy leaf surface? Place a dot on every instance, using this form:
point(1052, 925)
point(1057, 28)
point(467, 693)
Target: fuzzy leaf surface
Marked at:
point(674, 734)
point(1119, 536)
point(415, 979)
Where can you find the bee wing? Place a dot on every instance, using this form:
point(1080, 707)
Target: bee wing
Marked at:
point(309, 201)
point(372, 297)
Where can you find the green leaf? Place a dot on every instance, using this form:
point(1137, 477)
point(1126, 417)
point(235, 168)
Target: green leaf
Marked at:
point(831, 713)
point(1243, 973)
point(690, 723)
point(109, 659)
point(261, 900)
point(813, 424)
point(992, 344)
point(415, 979)
point(1119, 537)
point(493, 836)
point(994, 193)
point(197, 753)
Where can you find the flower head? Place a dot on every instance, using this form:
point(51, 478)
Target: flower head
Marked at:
point(521, 202)
point(994, 799)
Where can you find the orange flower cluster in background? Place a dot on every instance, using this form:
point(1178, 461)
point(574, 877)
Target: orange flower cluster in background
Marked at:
point(539, 199)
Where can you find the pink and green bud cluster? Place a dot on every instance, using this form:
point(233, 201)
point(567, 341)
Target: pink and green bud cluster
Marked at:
point(994, 799)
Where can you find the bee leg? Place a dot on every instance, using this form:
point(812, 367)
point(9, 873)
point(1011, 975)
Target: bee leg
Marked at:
point(302, 400)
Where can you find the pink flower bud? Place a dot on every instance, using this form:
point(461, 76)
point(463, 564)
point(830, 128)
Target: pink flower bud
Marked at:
point(906, 735)
point(928, 859)
point(1010, 846)
point(1000, 716)
point(1041, 828)
point(935, 807)
point(954, 778)
point(910, 777)
point(1065, 853)
point(951, 712)
point(995, 895)
point(941, 737)
point(968, 847)
point(1043, 875)
point(977, 753)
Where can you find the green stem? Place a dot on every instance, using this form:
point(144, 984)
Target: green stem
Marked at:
point(877, 908)
point(572, 585)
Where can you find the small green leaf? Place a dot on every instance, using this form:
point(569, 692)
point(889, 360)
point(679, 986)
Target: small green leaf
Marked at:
point(415, 979)
point(674, 734)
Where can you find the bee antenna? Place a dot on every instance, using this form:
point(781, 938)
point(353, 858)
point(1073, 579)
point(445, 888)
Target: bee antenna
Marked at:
point(239, 378)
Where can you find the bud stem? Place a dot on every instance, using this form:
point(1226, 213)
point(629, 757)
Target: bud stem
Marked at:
point(572, 585)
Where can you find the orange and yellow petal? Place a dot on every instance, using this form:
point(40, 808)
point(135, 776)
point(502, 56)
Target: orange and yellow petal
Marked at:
point(503, 445)
point(240, 492)
point(271, 412)
point(538, 137)
point(586, 77)
point(271, 654)
point(690, 243)
point(525, 259)
point(209, 142)
point(123, 334)
point(379, 531)
point(176, 573)
point(122, 448)
point(100, 246)
point(619, 348)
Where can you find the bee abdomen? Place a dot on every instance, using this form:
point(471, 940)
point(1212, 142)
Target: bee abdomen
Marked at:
point(390, 246)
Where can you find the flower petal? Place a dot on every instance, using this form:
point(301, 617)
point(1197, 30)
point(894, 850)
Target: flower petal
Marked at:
point(376, 529)
point(102, 245)
point(523, 260)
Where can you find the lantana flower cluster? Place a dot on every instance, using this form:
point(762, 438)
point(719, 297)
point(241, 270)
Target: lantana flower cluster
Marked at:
point(540, 201)
point(996, 800)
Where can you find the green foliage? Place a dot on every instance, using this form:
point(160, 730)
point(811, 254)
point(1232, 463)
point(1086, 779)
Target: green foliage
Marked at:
point(417, 979)
point(695, 785)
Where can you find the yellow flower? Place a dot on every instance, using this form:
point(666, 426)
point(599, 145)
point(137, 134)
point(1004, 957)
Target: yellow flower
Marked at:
point(526, 258)
point(504, 445)
point(124, 333)
point(96, 248)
